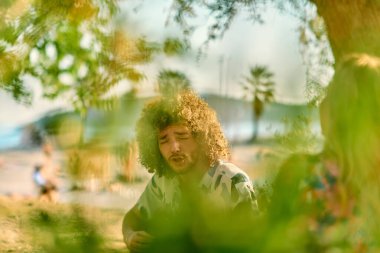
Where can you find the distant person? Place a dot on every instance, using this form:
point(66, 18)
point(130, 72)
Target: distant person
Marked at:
point(181, 141)
point(45, 175)
point(334, 196)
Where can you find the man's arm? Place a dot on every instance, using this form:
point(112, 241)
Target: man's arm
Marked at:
point(134, 235)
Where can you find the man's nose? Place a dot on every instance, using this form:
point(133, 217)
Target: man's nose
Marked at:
point(174, 146)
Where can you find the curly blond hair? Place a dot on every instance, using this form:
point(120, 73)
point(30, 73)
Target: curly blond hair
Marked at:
point(186, 107)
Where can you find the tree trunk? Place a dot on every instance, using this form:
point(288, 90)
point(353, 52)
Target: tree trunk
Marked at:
point(353, 26)
point(257, 111)
point(255, 129)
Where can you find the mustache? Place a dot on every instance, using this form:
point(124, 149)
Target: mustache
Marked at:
point(177, 156)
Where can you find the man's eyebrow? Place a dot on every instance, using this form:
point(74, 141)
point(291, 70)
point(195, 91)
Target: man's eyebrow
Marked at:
point(163, 136)
point(181, 132)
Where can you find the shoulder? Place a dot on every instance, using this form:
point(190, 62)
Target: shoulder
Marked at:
point(224, 174)
point(235, 185)
point(232, 172)
point(161, 185)
point(160, 193)
point(226, 177)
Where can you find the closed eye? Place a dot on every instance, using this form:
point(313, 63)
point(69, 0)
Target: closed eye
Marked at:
point(163, 140)
point(183, 136)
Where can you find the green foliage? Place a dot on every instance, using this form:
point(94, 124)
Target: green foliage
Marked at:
point(38, 40)
point(18, 91)
point(315, 47)
point(32, 226)
point(183, 9)
point(72, 232)
point(8, 33)
point(107, 104)
point(6, 3)
point(174, 46)
point(298, 136)
point(317, 56)
point(223, 12)
point(171, 82)
point(50, 124)
point(147, 50)
point(259, 86)
point(80, 61)
point(73, 48)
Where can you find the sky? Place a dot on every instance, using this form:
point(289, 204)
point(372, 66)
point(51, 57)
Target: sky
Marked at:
point(274, 44)
point(220, 70)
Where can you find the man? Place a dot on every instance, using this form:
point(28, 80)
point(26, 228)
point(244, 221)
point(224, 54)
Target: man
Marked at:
point(181, 141)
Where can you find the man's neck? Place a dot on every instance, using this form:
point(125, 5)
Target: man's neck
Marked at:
point(196, 173)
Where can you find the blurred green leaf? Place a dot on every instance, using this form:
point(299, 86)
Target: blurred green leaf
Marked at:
point(171, 82)
point(174, 46)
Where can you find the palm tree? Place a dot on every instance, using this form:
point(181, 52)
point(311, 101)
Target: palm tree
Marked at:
point(171, 82)
point(260, 87)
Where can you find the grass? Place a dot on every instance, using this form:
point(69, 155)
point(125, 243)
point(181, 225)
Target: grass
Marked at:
point(33, 226)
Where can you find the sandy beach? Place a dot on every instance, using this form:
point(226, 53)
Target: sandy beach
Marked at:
point(16, 171)
point(16, 168)
point(104, 207)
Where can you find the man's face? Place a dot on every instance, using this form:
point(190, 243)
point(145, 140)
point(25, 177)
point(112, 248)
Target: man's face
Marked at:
point(178, 147)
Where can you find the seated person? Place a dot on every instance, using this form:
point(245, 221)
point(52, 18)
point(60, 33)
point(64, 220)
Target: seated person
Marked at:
point(180, 139)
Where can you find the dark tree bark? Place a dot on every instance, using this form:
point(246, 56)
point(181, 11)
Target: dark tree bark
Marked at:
point(353, 26)
point(257, 111)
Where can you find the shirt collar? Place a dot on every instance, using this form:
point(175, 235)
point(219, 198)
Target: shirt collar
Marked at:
point(207, 178)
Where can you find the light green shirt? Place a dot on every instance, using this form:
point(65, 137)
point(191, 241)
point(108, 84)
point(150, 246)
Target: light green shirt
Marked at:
point(224, 185)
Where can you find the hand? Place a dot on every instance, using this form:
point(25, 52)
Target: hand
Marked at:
point(137, 241)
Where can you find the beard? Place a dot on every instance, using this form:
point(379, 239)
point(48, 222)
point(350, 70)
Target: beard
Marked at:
point(183, 163)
